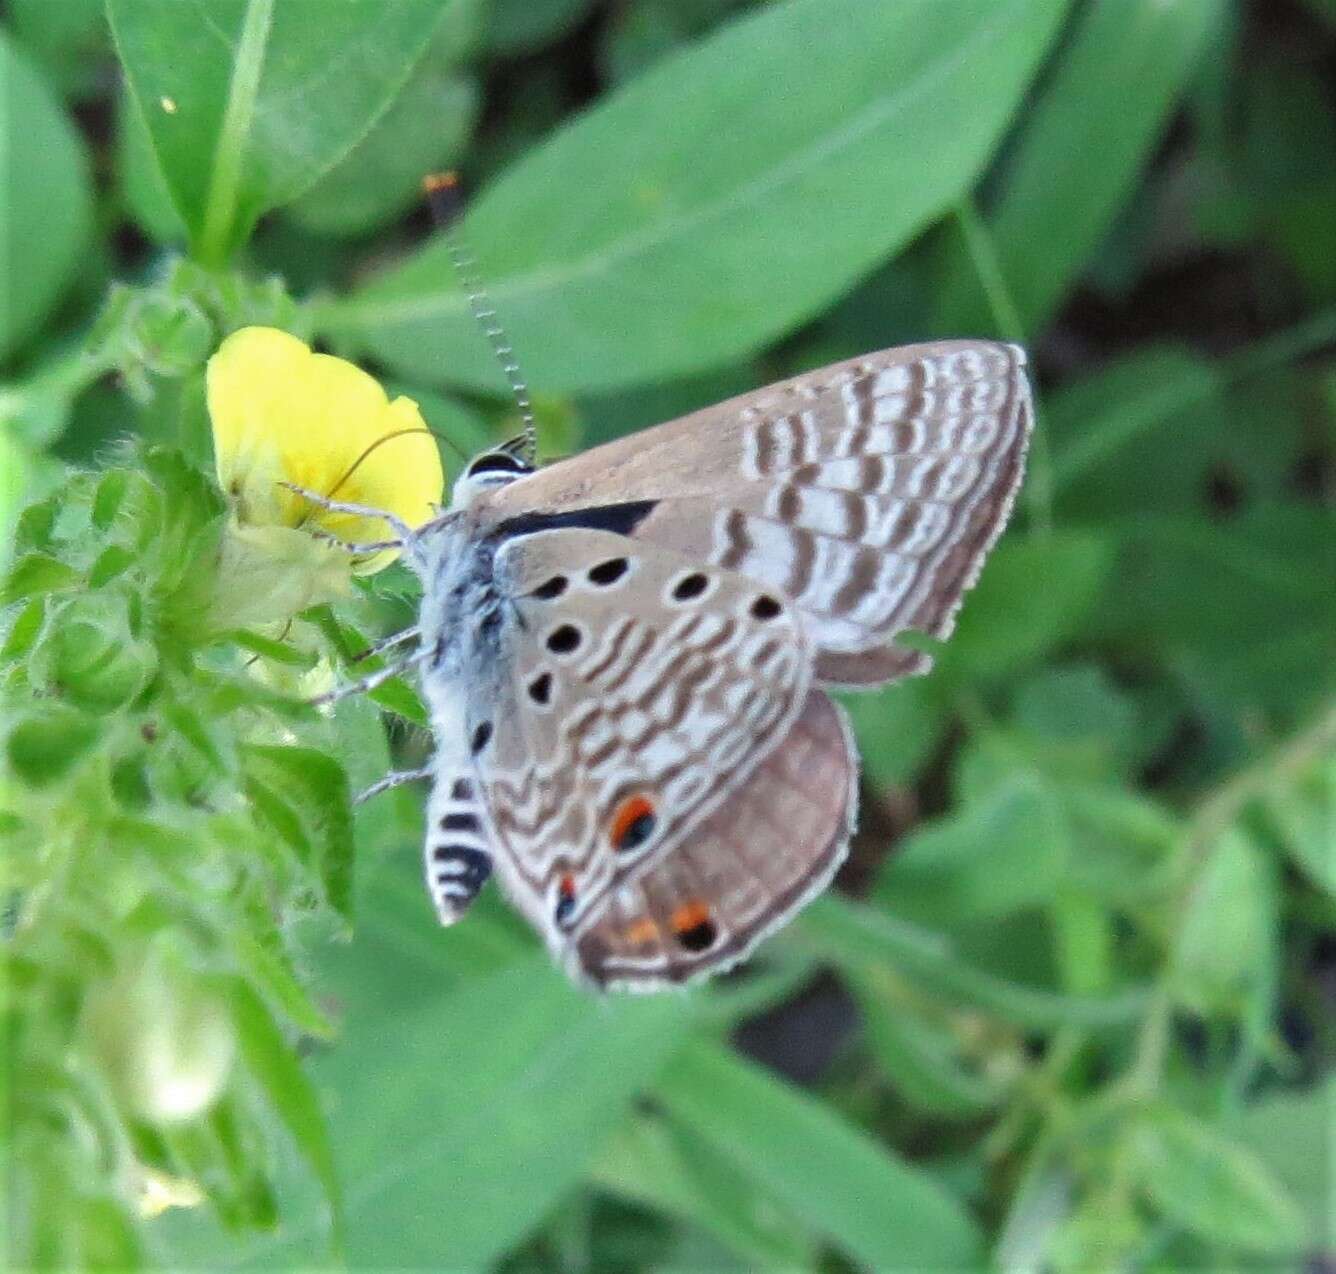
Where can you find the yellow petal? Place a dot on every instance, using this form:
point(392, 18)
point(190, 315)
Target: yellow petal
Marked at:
point(281, 413)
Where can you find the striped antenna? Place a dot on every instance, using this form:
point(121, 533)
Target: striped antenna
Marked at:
point(443, 198)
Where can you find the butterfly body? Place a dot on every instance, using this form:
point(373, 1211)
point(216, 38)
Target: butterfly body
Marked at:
point(623, 653)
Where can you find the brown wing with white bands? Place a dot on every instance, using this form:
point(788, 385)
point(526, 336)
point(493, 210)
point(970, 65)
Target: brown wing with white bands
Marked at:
point(640, 681)
point(868, 492)
point(773, 844)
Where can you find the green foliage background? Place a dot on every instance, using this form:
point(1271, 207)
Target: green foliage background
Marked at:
point(1070, 1005)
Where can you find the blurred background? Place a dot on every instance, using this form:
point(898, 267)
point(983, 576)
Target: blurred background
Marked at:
point(1069, 1005)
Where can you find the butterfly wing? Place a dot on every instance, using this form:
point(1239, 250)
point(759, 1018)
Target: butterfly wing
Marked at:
point(637, 689)
point(868, 492)
point(741, 872)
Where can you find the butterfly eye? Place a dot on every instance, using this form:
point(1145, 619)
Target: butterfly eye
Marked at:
point(633, 823)
point(693, 926)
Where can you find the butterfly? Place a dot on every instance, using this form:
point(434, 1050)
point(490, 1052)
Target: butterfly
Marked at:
point(626, 654)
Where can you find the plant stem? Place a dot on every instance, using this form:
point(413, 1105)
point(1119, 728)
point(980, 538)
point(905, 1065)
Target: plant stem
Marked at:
point(242, 93)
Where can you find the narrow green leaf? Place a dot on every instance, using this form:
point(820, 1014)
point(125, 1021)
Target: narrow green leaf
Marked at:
point(114, 560)
point(304, 794)
point(921, 1059)
point(35, 574)
point(24, 631)
point(878, 1209)
point(46, 214)
point(646, 266)
point(107, 499)
point(248, 102)
point(270, 975)
point(1226, 950)
point(858, 935)
point(1213, 1186)
point(275, 1067)
point(1302, 816)
point(44, 746)
point(278, 651)
point(1081, 149)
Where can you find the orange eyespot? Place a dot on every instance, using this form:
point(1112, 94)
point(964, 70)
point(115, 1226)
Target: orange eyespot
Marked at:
point(689, 915)
point(694, 928)
point(632, 823)
point(565, 899)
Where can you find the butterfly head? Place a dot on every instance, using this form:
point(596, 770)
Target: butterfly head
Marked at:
point(485, 473)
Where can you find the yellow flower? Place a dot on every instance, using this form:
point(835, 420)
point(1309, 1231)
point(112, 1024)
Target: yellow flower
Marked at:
point(281, 413)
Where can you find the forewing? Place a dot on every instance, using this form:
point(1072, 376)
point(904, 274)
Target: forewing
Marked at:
point(868, 492)
point(742, 871)
point(640, 688)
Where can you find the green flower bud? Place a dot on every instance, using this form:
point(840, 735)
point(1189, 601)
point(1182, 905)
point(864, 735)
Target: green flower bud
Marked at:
point(164, 1038)
point(90, 657)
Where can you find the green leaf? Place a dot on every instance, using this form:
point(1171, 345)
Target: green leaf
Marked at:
point(107, 1236)
point(1226, 950)
point(1245, 606)
point(921, 1058)
point(860, 937)
point(249, 102)
point(1290, 1133)
point(515, 26)
point(381, 176)
point(1301, 814)
point(1110, 95)
point(647, 264)
point(1002, 853)
point(1079, 706)
point(279, 1073)
point(879, 1210)
point(496, 1096)
point(44, 746)
point(36, 574)
point(1033, 595)
point(897, 728)
point(1213, 1186)
point(655, 1163)
point(1136, 434)
point(304, 796)
point(143, 188)
point(46, 214)
point(69, 39)
point(24, 630)
point(269, 973)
